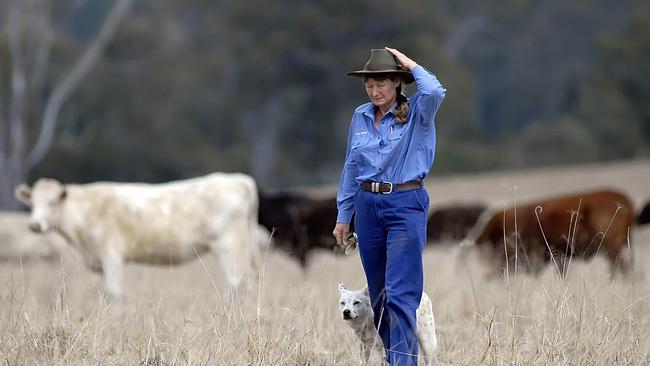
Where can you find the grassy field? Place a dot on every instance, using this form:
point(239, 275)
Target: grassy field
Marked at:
point(53, 314)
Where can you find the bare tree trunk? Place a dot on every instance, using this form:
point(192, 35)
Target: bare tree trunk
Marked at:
point(264, 139)
point(4, 129)
point(14, 149)
point(33, 18)
point(70, 82)
point(463, 32)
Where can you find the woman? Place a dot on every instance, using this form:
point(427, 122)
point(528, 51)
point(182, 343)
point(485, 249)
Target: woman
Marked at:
point(390, 151)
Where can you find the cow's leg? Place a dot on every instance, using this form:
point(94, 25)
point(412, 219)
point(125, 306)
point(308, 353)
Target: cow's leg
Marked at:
point(501, 259)
point(113, 266)
point(494, 260)
point(559, 262)
point(620, 257)
point(562, 261)
point(301, 242)
point(302, 258)
point(234, 254)
point(625, 260)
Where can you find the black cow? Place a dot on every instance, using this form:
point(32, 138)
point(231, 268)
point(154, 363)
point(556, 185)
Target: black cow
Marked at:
point(644, 215)
point(299, 223)
point(452, 222)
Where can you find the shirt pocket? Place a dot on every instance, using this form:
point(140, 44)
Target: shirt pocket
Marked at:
point(356, 149)
point(359, 141)
point(396, 132)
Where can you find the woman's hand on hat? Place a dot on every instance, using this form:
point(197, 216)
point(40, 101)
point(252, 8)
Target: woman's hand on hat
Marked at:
point(402, 59)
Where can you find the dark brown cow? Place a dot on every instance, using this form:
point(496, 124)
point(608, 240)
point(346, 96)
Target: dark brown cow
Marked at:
point(299, 223)
point(581, 225)
point(452, 222)
point(644, 215)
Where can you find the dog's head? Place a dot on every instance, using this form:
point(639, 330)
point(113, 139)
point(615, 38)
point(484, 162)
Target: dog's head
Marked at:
point(353, 303)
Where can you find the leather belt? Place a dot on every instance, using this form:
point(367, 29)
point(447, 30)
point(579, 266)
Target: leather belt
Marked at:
point(388, 187)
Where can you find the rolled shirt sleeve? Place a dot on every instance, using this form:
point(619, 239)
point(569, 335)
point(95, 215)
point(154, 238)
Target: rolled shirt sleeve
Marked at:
point(430, 93)
point(348, 186)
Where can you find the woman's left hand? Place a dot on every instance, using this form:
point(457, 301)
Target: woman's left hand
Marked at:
point(402, 59)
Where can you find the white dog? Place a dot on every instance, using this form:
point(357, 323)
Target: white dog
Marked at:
point(357, 312)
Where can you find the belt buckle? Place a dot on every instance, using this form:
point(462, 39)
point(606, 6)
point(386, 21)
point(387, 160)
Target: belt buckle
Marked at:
point(390, 184)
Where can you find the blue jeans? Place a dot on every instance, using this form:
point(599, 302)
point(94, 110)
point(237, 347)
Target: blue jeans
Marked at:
point(392, 234)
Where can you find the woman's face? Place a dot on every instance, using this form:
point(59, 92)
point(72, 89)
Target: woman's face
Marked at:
point(382, 93)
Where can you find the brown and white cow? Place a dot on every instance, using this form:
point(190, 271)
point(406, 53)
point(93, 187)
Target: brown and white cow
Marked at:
point(556, 229)
point(114, 223)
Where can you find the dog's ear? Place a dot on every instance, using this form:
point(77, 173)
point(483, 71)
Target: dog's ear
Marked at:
point(365, 291)
point(342, 286)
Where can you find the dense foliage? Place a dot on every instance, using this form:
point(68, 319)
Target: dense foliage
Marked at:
point(189, 87)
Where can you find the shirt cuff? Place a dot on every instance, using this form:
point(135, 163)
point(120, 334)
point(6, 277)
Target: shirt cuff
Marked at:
point(344, 217)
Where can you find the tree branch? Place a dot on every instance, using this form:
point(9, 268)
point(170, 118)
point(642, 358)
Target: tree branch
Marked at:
point(18, 85)
point(70, 82)
point(4, 128)
point(463, 32)
point(42, 54)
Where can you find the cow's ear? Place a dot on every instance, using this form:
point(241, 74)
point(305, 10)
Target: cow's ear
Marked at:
point(63, 194)
point(24, 194)
point(342, 286)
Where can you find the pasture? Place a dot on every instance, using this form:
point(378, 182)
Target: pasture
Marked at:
point(51, 313)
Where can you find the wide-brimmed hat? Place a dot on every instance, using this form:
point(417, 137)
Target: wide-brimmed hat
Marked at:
point(383, 62)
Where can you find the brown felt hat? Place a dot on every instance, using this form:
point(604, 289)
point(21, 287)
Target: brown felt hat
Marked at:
point(383, 62)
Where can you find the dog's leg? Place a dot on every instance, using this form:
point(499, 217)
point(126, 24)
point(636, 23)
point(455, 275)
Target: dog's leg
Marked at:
point(426, 353)
point(365, 353)
point(426, 331)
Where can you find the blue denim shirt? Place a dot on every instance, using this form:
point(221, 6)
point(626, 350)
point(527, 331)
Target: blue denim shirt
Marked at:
point(396, 152)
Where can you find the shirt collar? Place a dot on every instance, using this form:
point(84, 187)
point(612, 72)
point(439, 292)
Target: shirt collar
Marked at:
point(369, 110)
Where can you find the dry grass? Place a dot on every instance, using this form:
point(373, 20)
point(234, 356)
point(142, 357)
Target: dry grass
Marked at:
point(52, 313)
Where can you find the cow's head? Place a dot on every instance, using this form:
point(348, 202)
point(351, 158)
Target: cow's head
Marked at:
point(46, 200)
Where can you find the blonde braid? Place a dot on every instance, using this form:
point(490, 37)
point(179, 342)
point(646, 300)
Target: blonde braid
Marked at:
point(401, 111)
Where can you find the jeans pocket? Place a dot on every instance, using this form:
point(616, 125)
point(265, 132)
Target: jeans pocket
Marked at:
point(422, 197)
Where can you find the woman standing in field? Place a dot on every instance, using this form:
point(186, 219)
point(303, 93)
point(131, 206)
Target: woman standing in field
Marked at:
point(390, 150)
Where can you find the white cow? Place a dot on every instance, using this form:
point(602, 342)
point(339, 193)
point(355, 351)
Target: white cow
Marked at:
point(17, 242)
point(112, 223)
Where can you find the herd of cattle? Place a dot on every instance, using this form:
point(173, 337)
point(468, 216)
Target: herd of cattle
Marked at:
point(110, 224)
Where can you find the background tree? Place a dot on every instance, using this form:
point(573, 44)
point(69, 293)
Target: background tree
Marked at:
point(185, 88)
point(30, 37)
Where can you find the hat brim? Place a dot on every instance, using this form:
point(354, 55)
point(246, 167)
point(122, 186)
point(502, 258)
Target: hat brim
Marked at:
point(408, 77)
